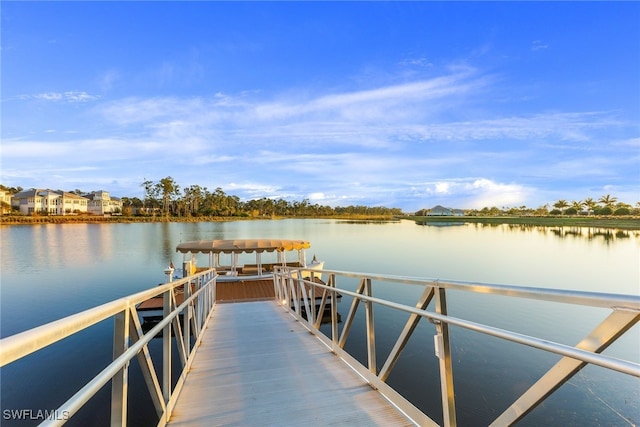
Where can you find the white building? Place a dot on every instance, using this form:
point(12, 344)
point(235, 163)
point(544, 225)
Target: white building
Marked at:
point(5, 201)
point(101, 203)
point(73, 203)
point(48, 202)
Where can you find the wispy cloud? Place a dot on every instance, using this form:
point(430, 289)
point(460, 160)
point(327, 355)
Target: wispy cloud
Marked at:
point(424, 110)
point(68, 96)
point(382, 145)
point(538, 45)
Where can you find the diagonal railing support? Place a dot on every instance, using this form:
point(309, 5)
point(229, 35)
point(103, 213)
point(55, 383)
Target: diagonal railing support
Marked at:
point(146, 365)
point(322, 306)
point(352, 314)
point(611, 328)
point(407, 331)
point(177, 332)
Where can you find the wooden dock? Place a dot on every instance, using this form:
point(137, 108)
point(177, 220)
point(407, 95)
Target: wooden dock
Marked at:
point(257, 366)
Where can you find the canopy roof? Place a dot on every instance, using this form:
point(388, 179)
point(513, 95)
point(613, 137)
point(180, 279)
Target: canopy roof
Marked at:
point(243, 245)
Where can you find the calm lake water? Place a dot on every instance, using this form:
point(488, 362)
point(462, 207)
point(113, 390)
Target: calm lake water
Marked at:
point(51, 271)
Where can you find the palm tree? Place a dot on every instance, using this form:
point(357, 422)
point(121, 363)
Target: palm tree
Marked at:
point(590, 204)
point(577, 205)
point(561, 204)
point(608, 201)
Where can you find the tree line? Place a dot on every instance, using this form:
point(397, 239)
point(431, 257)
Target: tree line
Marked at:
point(605, 205)
point(165, 197)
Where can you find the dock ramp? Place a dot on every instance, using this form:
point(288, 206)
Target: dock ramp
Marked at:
point(257, 365)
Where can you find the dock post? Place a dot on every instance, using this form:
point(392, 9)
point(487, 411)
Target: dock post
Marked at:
point(334, 310)
point(119, 383)
point(371, 334)
point(166, 353)
point(443, 351)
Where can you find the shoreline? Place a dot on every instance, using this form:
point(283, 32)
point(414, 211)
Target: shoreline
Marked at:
point(625, 223)
point(117, 219)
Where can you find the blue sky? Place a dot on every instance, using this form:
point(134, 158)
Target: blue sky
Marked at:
point(401, 104)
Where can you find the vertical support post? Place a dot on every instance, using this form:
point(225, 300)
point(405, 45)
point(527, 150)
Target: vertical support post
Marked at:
point(214, 290)
point(259, 263)
point(371, 334)
point(443, 352)
point(166, 352)
point(312, 298)
point(334, 310)
point(186, 317)
point(119, 383)
point(281, 285)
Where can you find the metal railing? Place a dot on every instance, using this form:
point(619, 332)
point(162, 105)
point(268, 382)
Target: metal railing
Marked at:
point(129, 341)
point(300, 297)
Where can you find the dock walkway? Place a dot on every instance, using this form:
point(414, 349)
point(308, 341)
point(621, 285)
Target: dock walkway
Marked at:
point(257, 366)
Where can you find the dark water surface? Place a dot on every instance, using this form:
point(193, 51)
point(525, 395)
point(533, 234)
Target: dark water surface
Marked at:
point(51, 271)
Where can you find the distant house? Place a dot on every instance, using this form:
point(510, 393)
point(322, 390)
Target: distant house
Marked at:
point(73, 203)
point(48, 202)
point(5, 201)
point(439, 211)
point(442, 211)
point(101, 203)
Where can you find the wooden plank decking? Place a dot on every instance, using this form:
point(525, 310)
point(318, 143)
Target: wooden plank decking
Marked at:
point(257, 366)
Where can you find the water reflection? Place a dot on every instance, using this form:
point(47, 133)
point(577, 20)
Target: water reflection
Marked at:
point(49, 271)
point(369, 221)
point(607, 235)
point(440, 223)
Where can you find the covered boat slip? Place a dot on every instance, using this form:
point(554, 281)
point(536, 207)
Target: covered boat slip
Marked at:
point(234, 248)
point(257, 365)
point(239, 282)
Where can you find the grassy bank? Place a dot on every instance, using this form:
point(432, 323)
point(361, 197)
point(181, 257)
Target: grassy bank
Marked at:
point(91, 219)
point(625, 223)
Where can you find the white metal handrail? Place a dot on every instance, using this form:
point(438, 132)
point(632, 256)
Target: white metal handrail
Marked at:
point(130, 342)
point(297, 294)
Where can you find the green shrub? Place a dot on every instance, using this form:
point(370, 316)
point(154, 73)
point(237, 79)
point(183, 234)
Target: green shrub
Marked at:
point(622, 211)
point(603, 211)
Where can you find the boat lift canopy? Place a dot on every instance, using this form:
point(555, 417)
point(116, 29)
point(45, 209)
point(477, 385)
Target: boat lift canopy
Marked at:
point(215, 247)
point(241, 245)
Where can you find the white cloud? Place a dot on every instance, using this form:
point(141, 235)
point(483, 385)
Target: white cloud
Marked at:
point(388, 139)
point(475, 193)
point(69, 96)
point(538, 45)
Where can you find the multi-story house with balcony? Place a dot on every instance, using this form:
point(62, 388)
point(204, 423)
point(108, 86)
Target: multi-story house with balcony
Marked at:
point(101, 203)
point(5, 202)
point(55, 202)
point(49, 202)
point(73, 203)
